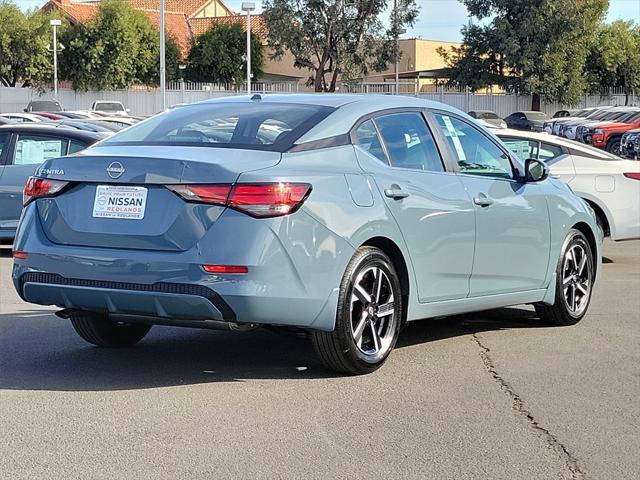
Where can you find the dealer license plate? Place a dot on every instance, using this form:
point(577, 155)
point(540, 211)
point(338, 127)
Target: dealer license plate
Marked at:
point(123, 202)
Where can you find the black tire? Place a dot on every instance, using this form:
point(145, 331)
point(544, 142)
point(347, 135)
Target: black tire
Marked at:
point(338, 350)
point(100, 331)
point(613, 146)
point(561, 312)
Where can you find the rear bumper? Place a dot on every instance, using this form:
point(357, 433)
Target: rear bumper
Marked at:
point(293, 276)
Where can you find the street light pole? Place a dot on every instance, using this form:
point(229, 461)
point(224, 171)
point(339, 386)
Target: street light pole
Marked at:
point(248, 7)
point(395, 26)
point(163, 84)
point(55, 23)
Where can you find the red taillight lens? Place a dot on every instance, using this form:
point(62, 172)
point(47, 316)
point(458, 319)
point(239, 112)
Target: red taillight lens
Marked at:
point(41, 187)
point(634, 175)
point(226, 269)
point(17, 255)
point(216, 194)
point(260, 200)
point(268, 199)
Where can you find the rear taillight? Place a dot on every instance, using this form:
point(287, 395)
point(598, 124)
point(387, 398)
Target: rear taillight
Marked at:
point(634, 175)
point(261, 200)
point(41, 187)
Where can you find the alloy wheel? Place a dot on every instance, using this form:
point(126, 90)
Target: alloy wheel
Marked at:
point(576, 279)
point(373, 314)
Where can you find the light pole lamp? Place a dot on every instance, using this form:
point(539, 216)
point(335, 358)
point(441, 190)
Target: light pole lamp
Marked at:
point(55, 23)
point(248, 7)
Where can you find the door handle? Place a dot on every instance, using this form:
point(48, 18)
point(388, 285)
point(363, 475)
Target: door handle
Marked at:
point(396, 193)
point(482, 200)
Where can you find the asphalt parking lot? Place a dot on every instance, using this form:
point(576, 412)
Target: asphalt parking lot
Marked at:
point(493, 395)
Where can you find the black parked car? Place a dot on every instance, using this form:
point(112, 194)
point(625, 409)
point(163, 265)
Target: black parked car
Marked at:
point(43, 106)
point(23, 147)
point(527, 120)
point(630, 144)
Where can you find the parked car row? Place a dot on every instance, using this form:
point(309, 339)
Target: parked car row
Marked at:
point(601, 127)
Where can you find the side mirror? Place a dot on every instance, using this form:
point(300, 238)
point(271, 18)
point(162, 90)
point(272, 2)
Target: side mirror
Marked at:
point(128, 110)
point(535, 170)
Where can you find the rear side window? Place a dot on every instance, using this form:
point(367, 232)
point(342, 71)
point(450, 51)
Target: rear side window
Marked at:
point(475, 153)
point(35, 149)
point(241, 125)
point(366, 137)
point(409, 142)
point(76, 146)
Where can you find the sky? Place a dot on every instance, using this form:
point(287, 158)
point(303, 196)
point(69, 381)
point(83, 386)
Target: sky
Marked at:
point(439, 19)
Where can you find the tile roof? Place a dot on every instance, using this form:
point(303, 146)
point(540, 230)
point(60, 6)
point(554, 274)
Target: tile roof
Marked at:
point(188, 7)
point(175, 22)
point(201, 25)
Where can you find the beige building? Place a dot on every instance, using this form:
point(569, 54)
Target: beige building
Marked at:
point(420, 63)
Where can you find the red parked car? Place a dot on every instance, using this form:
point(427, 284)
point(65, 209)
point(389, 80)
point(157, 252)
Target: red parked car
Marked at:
point(607, 135)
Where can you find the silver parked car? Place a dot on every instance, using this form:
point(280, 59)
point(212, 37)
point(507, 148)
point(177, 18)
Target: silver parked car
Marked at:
point(344, 215)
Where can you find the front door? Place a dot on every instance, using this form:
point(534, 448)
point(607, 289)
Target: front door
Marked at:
point(430, 205)
point(512, 219)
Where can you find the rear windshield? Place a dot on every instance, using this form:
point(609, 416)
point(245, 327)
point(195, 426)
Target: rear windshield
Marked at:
point(262, 126)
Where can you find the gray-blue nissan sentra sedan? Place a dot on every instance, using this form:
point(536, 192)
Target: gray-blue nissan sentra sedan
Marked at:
point(344, 215)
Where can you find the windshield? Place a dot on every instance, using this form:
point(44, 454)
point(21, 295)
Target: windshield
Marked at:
point(44, 106)
point(109, 106)
point(488, 115)
point(629, 117)
point(236, 125)
point(536, 116)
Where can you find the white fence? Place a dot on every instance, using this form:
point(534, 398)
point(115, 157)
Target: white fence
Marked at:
point(148, 101)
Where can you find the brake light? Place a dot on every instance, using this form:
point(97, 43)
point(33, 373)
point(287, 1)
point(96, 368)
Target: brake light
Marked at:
point(41, 187)
point(18, 255)
point(237, 269)
point(260, 200)
point(634, 175)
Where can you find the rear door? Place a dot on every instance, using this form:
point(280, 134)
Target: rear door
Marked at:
point(429, 204)
point(512, 219)
point(25, 153)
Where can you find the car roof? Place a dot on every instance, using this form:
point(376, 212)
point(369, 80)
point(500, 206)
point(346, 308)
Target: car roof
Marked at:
point(51, 130)
point(341, 120)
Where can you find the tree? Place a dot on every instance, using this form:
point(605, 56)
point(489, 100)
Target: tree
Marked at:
point(24, 41)
point(614, 59)
point(218, 55)
point(536, 47)
point(336, 37)
point(116, 49)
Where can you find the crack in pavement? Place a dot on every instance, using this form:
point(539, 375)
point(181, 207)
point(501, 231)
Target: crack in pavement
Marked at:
point(518, 405)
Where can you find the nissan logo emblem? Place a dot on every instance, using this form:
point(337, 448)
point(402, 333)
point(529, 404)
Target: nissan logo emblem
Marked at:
point(115, 170)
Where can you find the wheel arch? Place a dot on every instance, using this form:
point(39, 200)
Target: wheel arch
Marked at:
point(606, 225)
point(391, 249)
point(586, 230)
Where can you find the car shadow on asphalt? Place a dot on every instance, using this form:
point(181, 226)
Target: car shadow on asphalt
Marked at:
point(39, 351)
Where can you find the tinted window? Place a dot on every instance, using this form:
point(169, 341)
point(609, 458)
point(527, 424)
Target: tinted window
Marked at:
point(226, 124)
point(537, 116)
point(76, 146)
point(4, 140)
point(525, 149)
point(489, 115)
point(109, 107)
point(44, 106)
point(475, 153)
point(366, 137)
point(409, 142)
point(35, 149)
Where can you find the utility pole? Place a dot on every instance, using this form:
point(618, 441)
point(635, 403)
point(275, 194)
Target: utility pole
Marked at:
point(163, 80)
point(395, 27)
point(55, 23)
point(248, 7)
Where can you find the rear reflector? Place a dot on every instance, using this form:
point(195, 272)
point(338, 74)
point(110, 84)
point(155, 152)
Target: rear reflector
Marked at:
point(225, 268)
point(41, 187)
point(634, 175)
point(17, 255)
point(261, 200)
